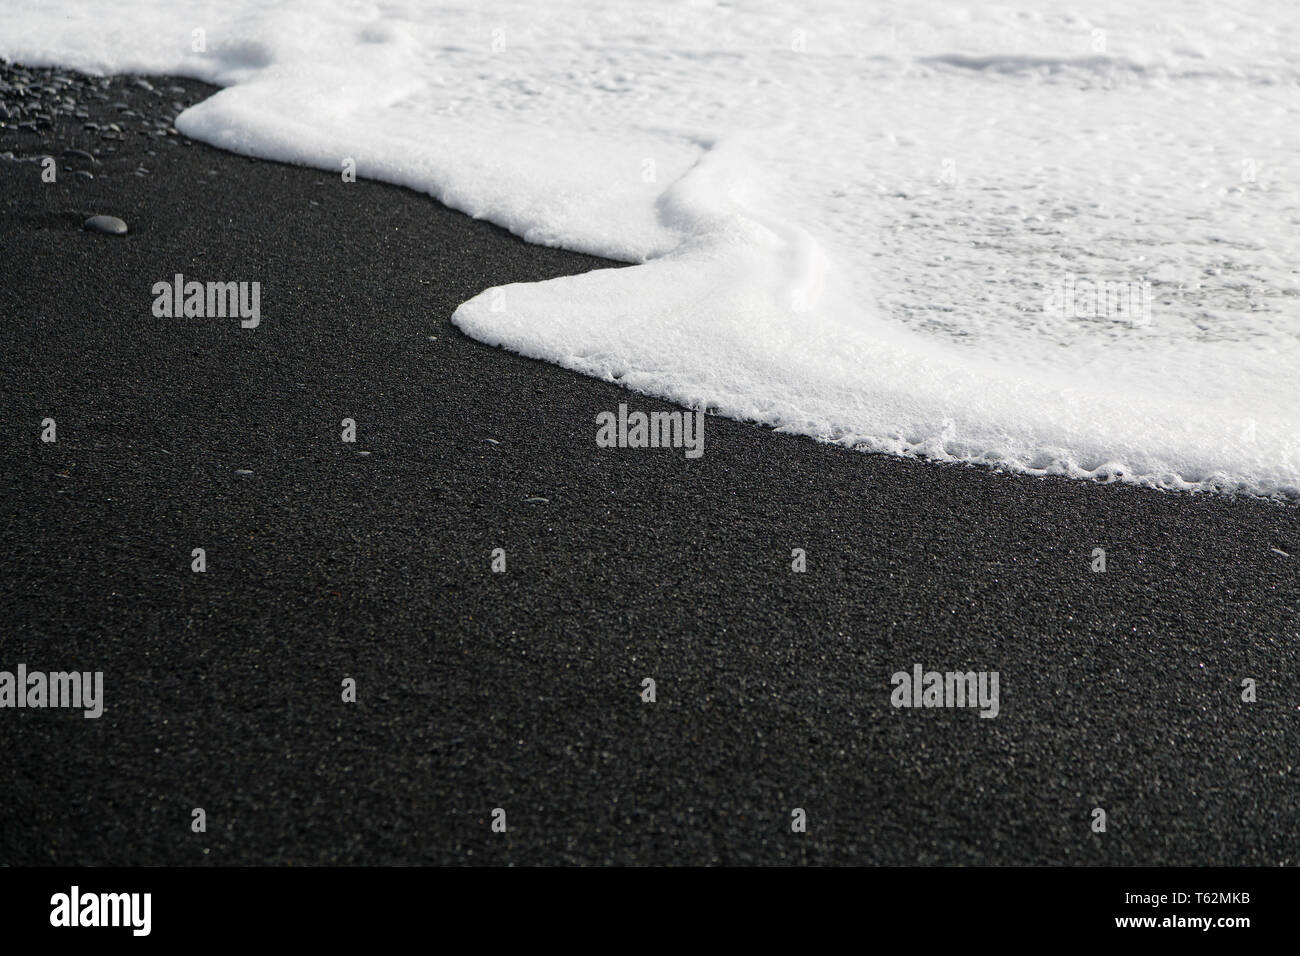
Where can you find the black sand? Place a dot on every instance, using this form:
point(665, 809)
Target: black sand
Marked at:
point(478, 690)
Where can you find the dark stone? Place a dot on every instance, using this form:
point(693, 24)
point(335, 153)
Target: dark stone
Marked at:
point(109, 225)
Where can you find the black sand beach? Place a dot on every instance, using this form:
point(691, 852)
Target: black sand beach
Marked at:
point(521, 690)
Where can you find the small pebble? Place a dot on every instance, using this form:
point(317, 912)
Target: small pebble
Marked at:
point(109, 225)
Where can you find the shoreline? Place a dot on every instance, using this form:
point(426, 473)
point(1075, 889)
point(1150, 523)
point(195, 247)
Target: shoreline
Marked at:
point(521, 690)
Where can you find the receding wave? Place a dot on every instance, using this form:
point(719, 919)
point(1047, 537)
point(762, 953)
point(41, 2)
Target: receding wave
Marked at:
point(1035, 254)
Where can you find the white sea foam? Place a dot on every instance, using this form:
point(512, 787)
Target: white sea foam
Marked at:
point(846, 221)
